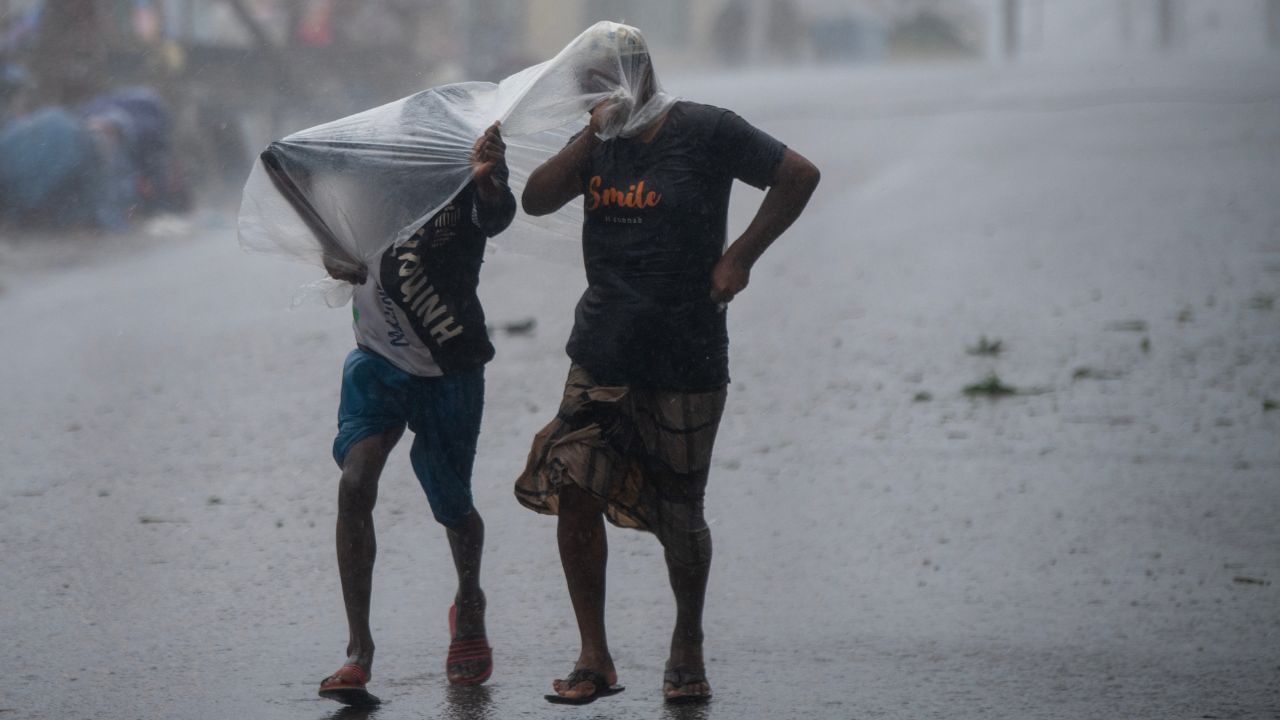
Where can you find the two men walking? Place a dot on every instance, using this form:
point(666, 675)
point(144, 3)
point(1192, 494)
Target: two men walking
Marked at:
point(633, 436)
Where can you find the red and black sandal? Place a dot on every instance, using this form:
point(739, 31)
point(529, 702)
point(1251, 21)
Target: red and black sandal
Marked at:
point(347, 686)
point(466, 651)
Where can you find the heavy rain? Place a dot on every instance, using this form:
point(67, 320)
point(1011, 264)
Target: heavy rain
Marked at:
point(1000, 434)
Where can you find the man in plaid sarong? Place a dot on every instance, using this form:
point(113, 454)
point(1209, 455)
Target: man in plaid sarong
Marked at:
point(633, 436)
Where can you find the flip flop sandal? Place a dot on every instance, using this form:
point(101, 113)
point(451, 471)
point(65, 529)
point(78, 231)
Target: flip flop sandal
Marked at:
point(347, 686)
point(577, 677)
point(466, 650)
point(680, 677)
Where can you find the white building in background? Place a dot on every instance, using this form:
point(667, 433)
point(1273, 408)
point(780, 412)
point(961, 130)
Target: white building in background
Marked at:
point(702, 32)
point(695, 32)
point(681, 29)
point(1109, 28)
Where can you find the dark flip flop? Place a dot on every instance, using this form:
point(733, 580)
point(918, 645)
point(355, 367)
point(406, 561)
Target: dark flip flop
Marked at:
point(347, 686)
point(681, 676)
point(577, 677)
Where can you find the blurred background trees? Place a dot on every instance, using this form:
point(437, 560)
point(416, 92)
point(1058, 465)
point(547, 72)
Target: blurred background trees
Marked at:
point(235, 73)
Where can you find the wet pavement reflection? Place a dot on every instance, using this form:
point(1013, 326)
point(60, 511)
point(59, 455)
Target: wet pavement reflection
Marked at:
point(477, 703)
point(354, 713)
point(687, 712)
point(469, 703)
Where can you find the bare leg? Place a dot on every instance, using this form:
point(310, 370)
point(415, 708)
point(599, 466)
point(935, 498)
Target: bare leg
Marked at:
point(584, 554)
point(689, 584)
point(357, 548)
point(467, 544)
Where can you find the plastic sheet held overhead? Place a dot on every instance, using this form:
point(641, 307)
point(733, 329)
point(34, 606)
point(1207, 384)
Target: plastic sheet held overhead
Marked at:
point(347, 190)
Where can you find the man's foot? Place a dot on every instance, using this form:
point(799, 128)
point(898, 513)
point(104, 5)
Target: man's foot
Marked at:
point(681, 685)
point(347, 686)
point(470, 660)
point(584, 686)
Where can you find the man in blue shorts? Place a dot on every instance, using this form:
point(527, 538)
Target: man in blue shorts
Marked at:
point(421, 347)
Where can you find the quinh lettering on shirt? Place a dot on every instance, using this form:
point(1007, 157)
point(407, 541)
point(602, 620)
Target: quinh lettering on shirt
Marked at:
point(634, 197)
point(421, 296)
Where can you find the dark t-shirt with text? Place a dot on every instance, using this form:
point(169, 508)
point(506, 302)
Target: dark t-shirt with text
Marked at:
point(654, 227)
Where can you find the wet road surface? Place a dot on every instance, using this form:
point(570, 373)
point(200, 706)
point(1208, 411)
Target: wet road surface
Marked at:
point(1105, 544)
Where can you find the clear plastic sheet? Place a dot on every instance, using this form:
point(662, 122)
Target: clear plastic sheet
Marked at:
point(347, 190)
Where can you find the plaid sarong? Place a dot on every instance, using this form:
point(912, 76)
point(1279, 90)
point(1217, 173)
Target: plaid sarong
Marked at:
point(647, 453)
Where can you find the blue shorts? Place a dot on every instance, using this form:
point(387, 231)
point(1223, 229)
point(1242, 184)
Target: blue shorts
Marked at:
point(443, 413)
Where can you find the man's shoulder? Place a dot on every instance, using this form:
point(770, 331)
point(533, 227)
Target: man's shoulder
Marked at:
point(696, 112)
point(698, 120)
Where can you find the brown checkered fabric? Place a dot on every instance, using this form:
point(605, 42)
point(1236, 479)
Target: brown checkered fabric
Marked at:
point(645, 452)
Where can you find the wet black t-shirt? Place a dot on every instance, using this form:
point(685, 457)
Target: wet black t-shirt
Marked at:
point(654, 227)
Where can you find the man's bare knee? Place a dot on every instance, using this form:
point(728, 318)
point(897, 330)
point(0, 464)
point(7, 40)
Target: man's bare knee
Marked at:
point(358, 487)
point(688, 550)
point(357, 493)
point(578, 503)
point(580, 515)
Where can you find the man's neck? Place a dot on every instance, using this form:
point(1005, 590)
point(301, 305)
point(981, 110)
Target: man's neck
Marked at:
point(651, 132)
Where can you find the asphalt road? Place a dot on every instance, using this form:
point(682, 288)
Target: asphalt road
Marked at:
point(1104, 544)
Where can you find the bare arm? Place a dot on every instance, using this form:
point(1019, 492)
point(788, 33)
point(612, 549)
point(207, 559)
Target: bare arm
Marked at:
point(558, 180)
point(793, 183)
point(495, 205)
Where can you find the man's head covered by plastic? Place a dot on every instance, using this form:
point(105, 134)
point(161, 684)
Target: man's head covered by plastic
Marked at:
point(611, 64)
point(607, 63)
